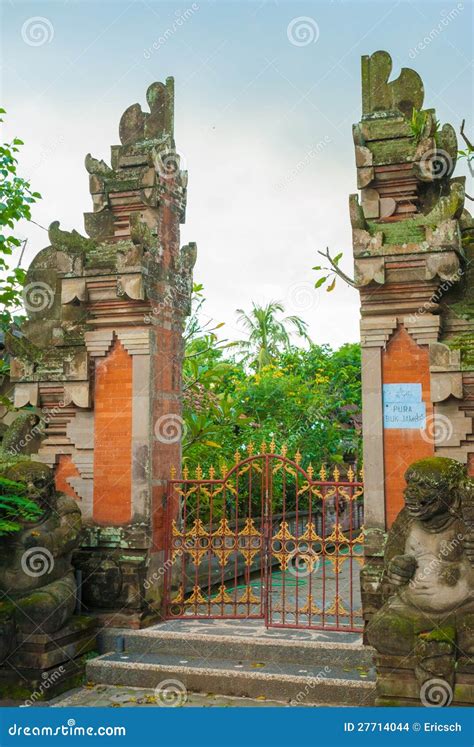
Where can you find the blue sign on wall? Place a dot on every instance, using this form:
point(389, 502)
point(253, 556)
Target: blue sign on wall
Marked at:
point(403, 407)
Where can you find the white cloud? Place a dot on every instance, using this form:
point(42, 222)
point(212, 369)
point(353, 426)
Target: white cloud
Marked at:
point(257, 207)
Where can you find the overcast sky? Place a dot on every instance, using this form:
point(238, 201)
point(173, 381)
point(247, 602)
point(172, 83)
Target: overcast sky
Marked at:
point(265, 102)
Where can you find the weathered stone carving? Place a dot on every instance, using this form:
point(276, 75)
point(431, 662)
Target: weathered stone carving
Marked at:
point(413, 250)
point(38, 593)
point(40, 587)
point(402, 94)
point(428, 616)
point(103, 337)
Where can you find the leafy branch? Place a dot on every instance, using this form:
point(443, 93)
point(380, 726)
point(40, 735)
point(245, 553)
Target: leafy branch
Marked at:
point(468, 154)
point(16, 198)
point(333, 270)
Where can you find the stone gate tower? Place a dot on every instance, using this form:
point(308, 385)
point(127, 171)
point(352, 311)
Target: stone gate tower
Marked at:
point(103, 354)
point(413, 243)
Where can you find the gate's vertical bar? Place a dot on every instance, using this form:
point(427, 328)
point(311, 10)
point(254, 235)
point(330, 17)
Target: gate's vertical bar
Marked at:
point(336, 553)
point(236, 531)
point(296, 553)
point(209, 554)
point(183, 530)
point(351, 558)
point(323, 535)
point(222, 565)
point(267, 514)
point(168, 567)
point(309, 600)
point(247, 541)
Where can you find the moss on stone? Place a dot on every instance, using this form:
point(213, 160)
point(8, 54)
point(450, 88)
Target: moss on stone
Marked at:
point(401, 232)
point(465, 344)
point(16, 432)
point(26, 471)
point(445, 634)
point(439, 470)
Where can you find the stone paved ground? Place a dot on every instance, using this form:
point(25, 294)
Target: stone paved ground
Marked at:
point(118, 696)
point(246, 628)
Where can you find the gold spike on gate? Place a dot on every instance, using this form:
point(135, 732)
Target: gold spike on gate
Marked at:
point(199, 472)
point(263, 448)
point(237, 456)
point(350, 474)
point(298, 457)
point(223, 469)
point(322, 472)
point(272, 446)
point(185, 473)
point(310, 471)
point(172, 472)
point(336, 474)
point(284, 450)
point(250, 448)
point(212, 472)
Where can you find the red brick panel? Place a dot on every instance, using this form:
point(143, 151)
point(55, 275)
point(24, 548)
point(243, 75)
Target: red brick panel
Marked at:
point(404, 362)
point(470, 465)
point(66, 468)
point(113, 438)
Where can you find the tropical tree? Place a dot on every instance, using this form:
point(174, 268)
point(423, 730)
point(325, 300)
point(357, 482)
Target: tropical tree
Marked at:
point(207, 406)
point(16, 198)
point(268, 335)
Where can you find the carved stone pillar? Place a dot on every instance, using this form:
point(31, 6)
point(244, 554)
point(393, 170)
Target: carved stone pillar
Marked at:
point(104, 359)
point(412, 244)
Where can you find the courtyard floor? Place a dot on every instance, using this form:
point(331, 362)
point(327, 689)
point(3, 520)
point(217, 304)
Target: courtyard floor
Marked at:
point(114, 696)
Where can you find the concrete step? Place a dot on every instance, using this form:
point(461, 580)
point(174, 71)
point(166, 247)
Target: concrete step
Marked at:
point(289, 681)
point(254, 648)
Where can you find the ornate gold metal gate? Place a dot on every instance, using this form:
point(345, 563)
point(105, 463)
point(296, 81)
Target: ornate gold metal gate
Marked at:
point(266, 539)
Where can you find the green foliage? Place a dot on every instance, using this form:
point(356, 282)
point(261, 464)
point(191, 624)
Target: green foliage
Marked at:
point(418, 122)
point(267, 334)
point(15, 506)
point(309, 399)
point(16, 197)
point(332, 270)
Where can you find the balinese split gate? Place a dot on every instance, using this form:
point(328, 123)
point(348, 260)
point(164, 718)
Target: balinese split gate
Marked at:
point(266, 539)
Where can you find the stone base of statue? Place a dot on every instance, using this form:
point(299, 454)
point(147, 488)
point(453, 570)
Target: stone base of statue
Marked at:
point(397, 684)
point(423, 632)
point(45, 665)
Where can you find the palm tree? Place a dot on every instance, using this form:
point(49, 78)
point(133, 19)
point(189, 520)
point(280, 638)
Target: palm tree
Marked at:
point(267, 335)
